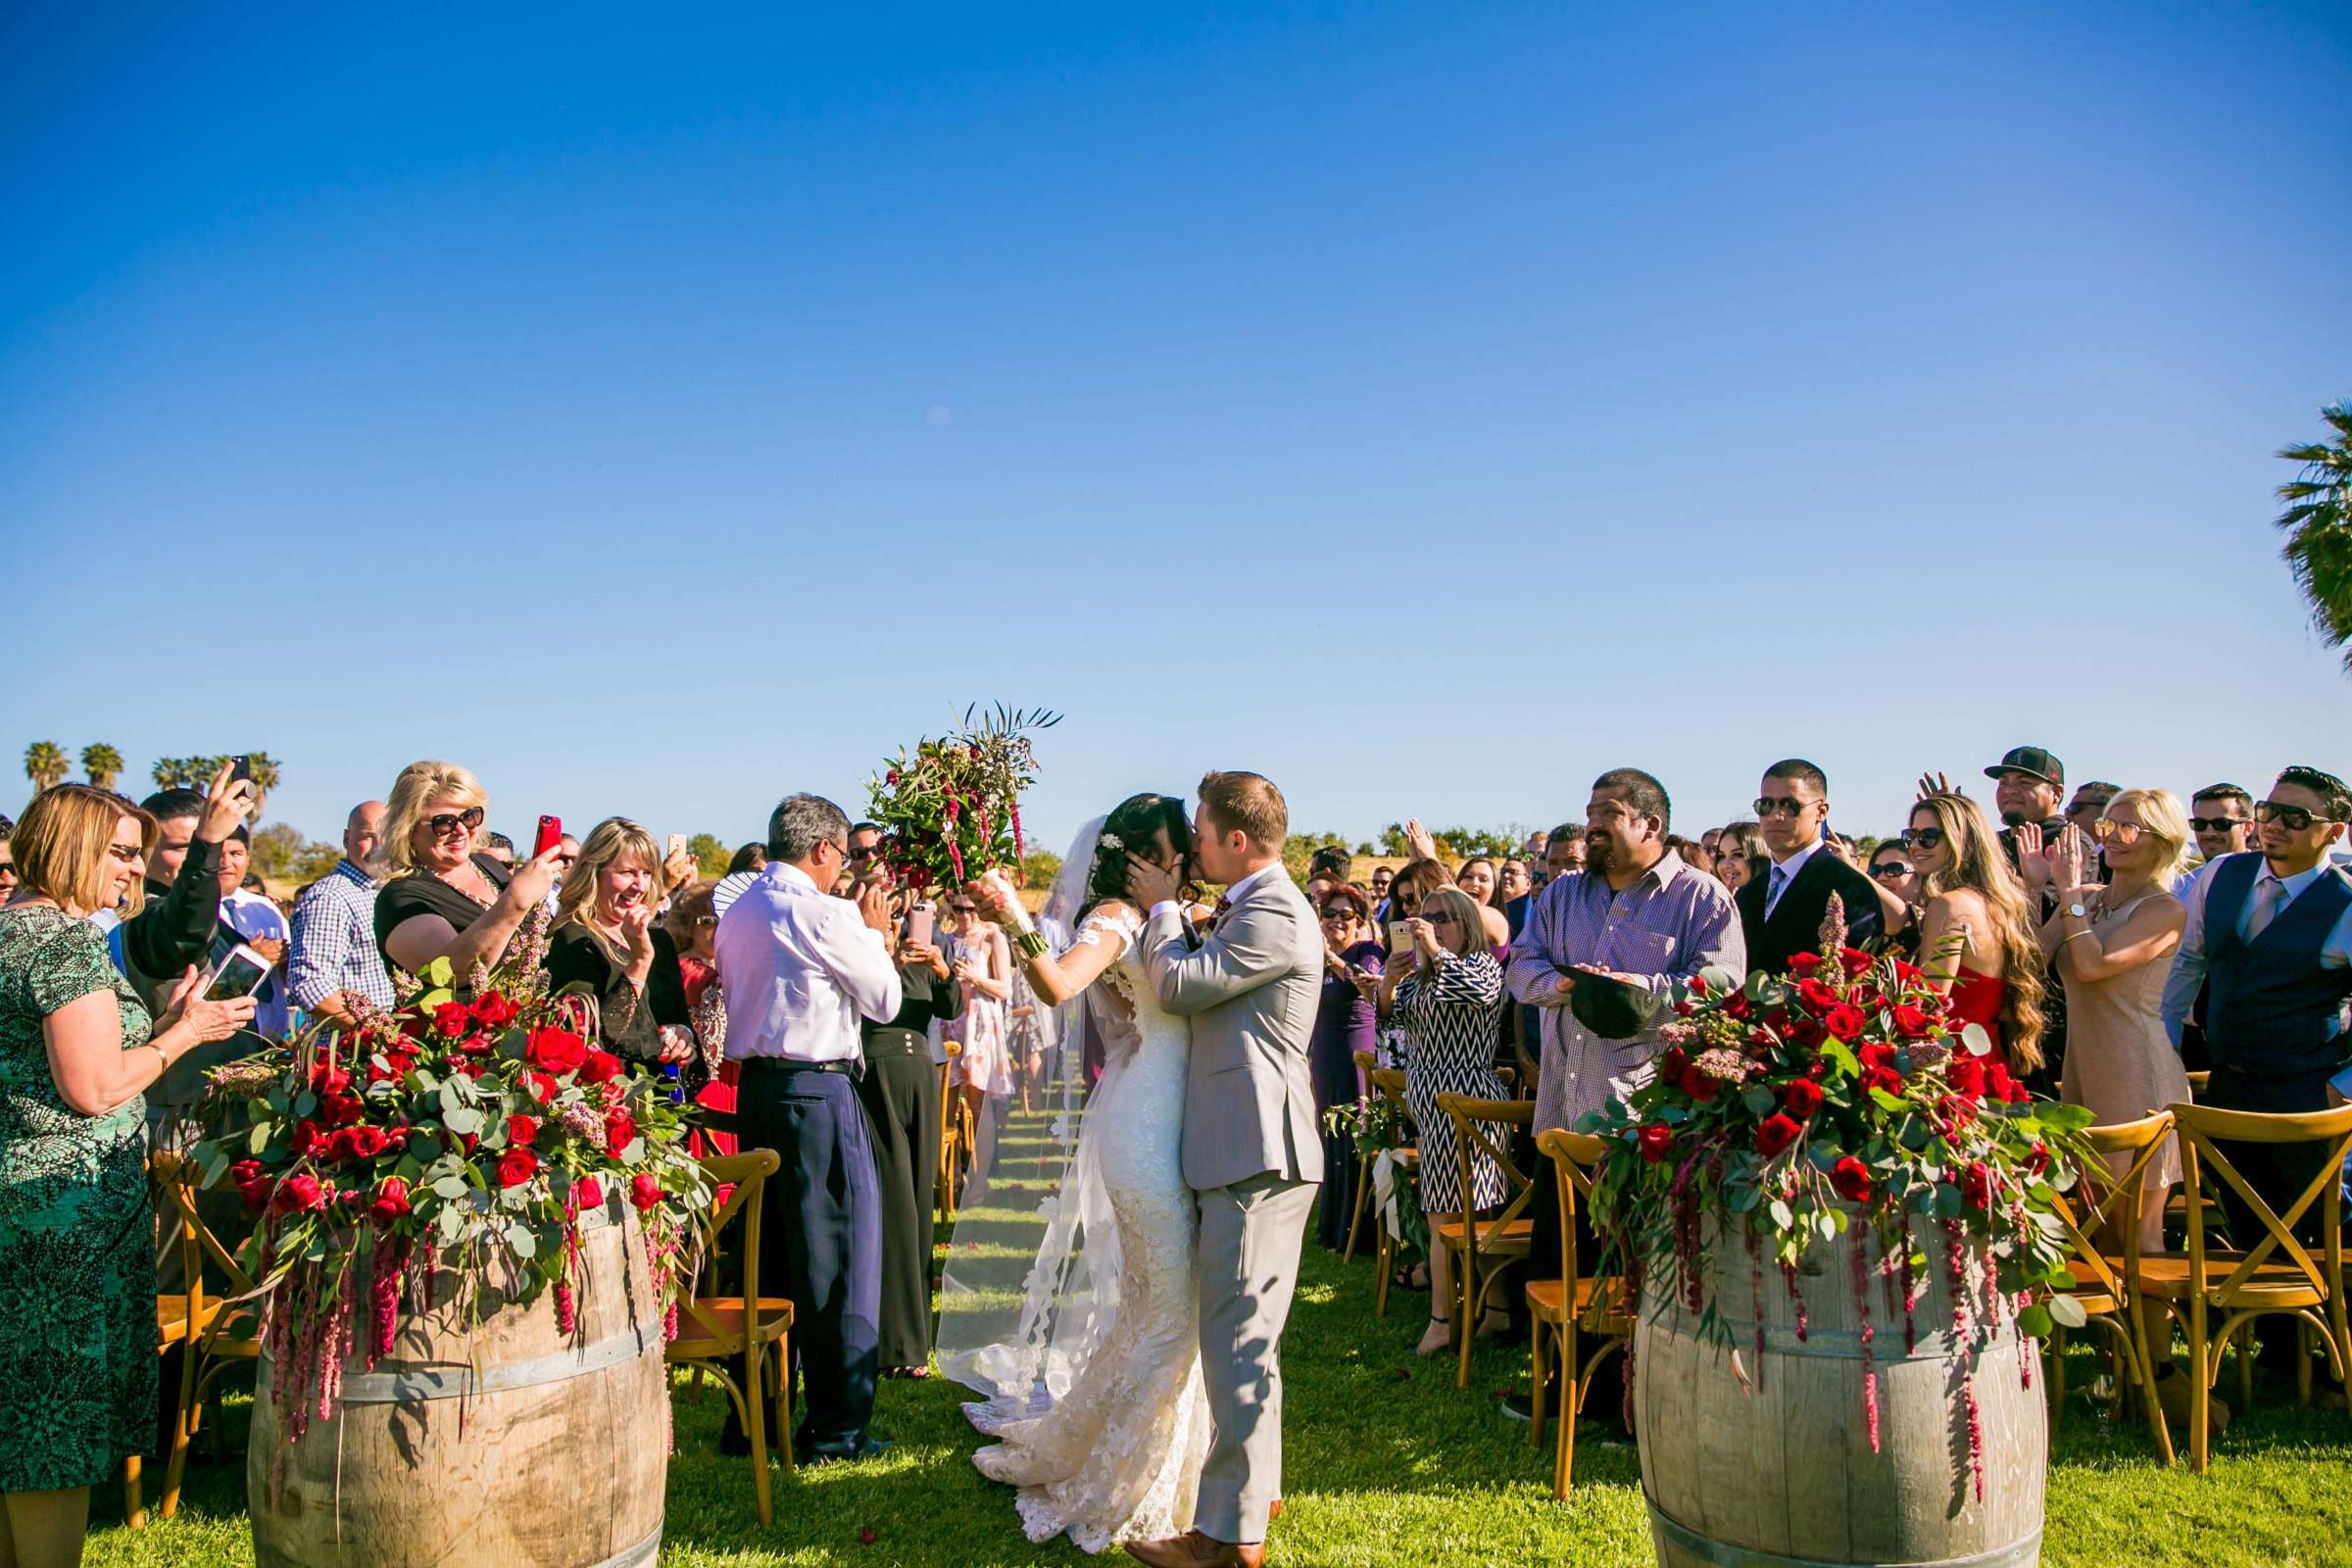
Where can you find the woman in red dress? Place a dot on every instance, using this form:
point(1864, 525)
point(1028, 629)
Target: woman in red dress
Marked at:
point(1976, 939)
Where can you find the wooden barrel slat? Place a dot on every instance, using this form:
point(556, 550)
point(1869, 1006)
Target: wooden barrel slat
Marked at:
point(501, 1442)
point(1779, 1471)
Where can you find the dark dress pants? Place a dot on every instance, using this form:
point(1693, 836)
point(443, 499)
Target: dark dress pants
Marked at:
point(820, 1243)
point(900, 1092)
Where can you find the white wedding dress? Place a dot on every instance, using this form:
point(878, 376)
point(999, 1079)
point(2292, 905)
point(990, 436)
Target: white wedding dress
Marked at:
point(1116, 1456)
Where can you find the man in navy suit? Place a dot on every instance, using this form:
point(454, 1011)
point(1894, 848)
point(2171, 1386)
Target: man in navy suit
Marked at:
point(1781, 912)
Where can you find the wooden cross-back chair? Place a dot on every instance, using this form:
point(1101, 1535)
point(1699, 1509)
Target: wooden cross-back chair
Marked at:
point(1566, 1311)
point(2275, 1276)
point(1406, 1166)
point(2101, 1217)
point(1482, 1246)
point(751, 1331)
point(218, 1328)
point(954, 1137)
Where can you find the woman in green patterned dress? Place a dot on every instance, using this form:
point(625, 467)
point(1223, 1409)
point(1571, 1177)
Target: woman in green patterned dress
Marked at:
point(77, 1233)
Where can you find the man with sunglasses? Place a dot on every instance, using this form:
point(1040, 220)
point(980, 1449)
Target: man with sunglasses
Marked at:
point(1781, 912)
point(2270, 937)
point(2222, 823)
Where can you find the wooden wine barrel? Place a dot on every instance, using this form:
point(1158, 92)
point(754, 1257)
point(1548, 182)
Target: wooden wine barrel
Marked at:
point(505, 1442)
point(1781, 1473)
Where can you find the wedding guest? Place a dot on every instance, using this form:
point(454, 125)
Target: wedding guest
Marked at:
point(605, 937)
point(2089, 803)
point(1378, 887)
point(262, 926)
point(1780, 913)
point(1708, 840)
point(1476, 877)
point(1344, 1024)
point(1694, 852)
point(691, 924)
point(802, 970)
point(180, 915)
point(1740, 855)
point(1415, 881)
point(2029, 782)
point(1512, 883)
point(1447, 994)
point(901, 1092)
point(2222, 816)
point(1329, 863)
point(1977, 929)
point(335, 965)
point(79, 1384)
point(981, 960)
point(748, 858)
point(8, 867)
point(1636, 914)
point(442, 900)
point(499, 848)
point(1897, 880)
point(1564, 850)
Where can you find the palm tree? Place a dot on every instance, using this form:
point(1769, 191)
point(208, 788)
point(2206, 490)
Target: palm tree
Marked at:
point(2318, 523)
point(45, 763)
point(102, 762)
point(265, 779)
point(168, 773)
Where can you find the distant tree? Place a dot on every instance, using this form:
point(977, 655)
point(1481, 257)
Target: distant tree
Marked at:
point(2318, 525)
point(1039, 868)
point(170, 772)
point(1391, 841)
point(710, 856)
point(102, 762)
point(45, 763)
point(281, 854)
point(1366, 848)
point(1299, 849)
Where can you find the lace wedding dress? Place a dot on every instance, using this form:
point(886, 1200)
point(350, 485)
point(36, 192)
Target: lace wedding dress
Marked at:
point(1116, 1455)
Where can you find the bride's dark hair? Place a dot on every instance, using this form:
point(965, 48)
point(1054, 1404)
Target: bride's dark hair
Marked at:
point(1130, 829)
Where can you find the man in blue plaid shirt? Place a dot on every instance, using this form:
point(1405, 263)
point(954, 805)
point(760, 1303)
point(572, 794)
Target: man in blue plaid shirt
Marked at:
point(335, 956)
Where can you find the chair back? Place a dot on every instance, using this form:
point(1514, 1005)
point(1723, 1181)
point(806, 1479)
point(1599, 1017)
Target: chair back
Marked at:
point(736, 1183)
point(2202, 1129)
point(1388, 1083)
point(1474, 1133)
point(2101, 1198)
point(181, 1178)
point(1573, 1157)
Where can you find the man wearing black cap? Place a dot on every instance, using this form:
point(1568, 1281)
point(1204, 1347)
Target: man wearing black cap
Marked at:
point(2028, 791)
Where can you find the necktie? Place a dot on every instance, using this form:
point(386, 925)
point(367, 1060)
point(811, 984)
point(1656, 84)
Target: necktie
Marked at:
point(1774, 888)
point(2263, 907)
point(1224, 903)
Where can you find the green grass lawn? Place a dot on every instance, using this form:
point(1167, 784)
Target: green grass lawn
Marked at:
point(1385, 1462)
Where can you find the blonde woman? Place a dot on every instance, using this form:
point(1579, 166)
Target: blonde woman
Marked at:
point(1977, 941)
point(605, 938)
point(77, 1051)
point(441, 899)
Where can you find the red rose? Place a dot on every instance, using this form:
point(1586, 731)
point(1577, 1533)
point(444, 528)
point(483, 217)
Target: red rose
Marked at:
point(516, 1166)
point(1975, 1184)
point(555, 1050)
point(1697, 1084)
point(492, 1010)
point(391, 1199)
point(1674, 1063)
point(473, 1069)
point(1686, 1009)
point(343, 1109)
point(255, 1194)
point(1851, 1178)
point(450, 1020)
point(245, 1170)
point(1876, 1054)
point(1816, 996)
point(1738, 1007)
point(1886, 1078)
point(521, 1131)
point(601, 1067)
point(1911, 1022)
point(1966, 1075)
point(329, 1079)
point(474, 1044)
point(1853, 961)
point(1845, 1020)
point(644, 1191)
point(307, 1135)
point(1774, 1134)
point(1808, 1033)
point(588, 1193)
point(541, 1086)
point(1654, 1139)
point(1806, 963)
point(2015, 1093)
point(298, 1193)
point(619, 1128)
point(379, 1072)
point(343, 1143)
point(1801, 1099)
point(2037, 1159)
point(1909, 972)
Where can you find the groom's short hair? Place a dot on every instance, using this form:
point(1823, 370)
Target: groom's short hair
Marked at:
point(1249, 803)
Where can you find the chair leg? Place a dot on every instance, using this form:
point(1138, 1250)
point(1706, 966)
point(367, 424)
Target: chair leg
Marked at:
point(2144, 1363)
point(755, 1423)
point(784, 1399)
point(1465, 1313)
point(135, 1511)
point(184, 1431)
point(1383, 1264)
point(1356, 1223)
point(2199, 1408)
point(2245, 1366)
point(2057, 1374)
point(1572, 1398)
point(2303, 1349)
point(1537, 1369)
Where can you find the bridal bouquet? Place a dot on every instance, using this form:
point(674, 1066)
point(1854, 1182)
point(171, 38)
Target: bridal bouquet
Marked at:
point(465, 1136)
point(952, 807)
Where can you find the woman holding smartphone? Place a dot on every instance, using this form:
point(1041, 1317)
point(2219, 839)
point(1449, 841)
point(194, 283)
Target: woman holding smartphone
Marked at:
point(441, 899)
point(604, 940)
point(1344, 1024)
point(77, 1051)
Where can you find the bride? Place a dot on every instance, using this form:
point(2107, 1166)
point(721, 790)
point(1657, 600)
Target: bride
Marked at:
point(1095, 1403)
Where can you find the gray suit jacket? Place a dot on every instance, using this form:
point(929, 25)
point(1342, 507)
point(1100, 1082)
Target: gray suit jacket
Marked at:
point(1250, 990)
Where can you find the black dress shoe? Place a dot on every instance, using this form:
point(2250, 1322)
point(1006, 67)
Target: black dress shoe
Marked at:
point(867, 1447)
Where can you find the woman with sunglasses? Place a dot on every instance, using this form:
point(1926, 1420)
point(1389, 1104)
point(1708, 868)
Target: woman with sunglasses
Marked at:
point(442, 899)
point(1976, 939)
point(1344, 1024)
point(692, 922)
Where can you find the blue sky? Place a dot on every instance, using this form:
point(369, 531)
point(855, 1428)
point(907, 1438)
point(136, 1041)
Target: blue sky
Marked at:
point(1427, 406)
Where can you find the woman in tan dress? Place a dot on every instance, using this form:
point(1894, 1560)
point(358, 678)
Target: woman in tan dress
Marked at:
point(2113, 947)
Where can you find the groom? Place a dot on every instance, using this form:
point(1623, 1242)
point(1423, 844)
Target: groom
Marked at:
point(1251, 1146)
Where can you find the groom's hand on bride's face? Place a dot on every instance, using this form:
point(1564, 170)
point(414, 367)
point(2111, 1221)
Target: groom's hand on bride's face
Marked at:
point(1149, 883)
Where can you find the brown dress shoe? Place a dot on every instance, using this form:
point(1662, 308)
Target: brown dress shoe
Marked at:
point(1192, 1549)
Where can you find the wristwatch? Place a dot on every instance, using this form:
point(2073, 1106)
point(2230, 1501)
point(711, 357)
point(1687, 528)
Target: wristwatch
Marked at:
point(2077, 911)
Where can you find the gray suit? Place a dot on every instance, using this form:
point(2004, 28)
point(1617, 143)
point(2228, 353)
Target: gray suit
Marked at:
point(1252, 1153)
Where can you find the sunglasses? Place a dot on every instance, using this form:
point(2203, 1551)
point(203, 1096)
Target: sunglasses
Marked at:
point(1777, 805)
point(963, 909)
point(127, 853)
point(1922, 838)
point(2120, 832)
point(1339, 911)
point(2216, 825)
point(1441, 919)
point(1891, 868)
point(2294, 819)
point(449, 822)
point(866, 851)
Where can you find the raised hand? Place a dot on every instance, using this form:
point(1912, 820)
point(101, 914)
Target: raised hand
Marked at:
point(1419, 839)
point(873, 906)
point(2033, 855)
point(225, 806)
point(207, 1021)
point(636, 925)
point(1149, 883)
point(1935, 784)
point(534, 878)
point(2070, 860)
point(678, 870)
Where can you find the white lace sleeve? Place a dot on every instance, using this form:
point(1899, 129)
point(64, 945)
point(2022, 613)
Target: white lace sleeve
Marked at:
point(1114, 924)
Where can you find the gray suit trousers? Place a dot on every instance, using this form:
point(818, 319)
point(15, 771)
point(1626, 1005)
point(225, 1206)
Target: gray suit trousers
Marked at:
point(1251, 1235)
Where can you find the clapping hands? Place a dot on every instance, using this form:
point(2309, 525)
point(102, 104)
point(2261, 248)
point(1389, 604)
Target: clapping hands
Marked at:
point(2069, 858)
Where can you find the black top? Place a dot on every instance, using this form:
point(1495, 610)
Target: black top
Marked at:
point(1796, 924)
point(176, 925)
point(423, 892)
point(924, 996)
point(628, 1024)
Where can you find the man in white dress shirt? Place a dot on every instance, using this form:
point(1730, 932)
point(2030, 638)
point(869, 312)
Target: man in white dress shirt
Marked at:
point(800, 968)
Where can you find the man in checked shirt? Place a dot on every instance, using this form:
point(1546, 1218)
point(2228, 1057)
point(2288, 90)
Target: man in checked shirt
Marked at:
point(1635, 912)
point(335, 958)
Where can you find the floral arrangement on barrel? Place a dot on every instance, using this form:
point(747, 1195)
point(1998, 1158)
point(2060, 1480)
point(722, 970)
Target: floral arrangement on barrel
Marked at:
point(952, 808)
point(1790, 1111)
point(448, 1139)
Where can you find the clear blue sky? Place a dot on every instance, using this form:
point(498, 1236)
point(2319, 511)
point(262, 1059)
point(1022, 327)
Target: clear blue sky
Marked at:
point(1427, 406)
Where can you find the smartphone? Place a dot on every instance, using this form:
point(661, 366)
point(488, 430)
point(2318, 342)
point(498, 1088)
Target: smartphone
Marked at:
point(240, 974)
point(677, 846)
point(240, 770)
point(921, 923)
point(550, 834)
point(1400, 937)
